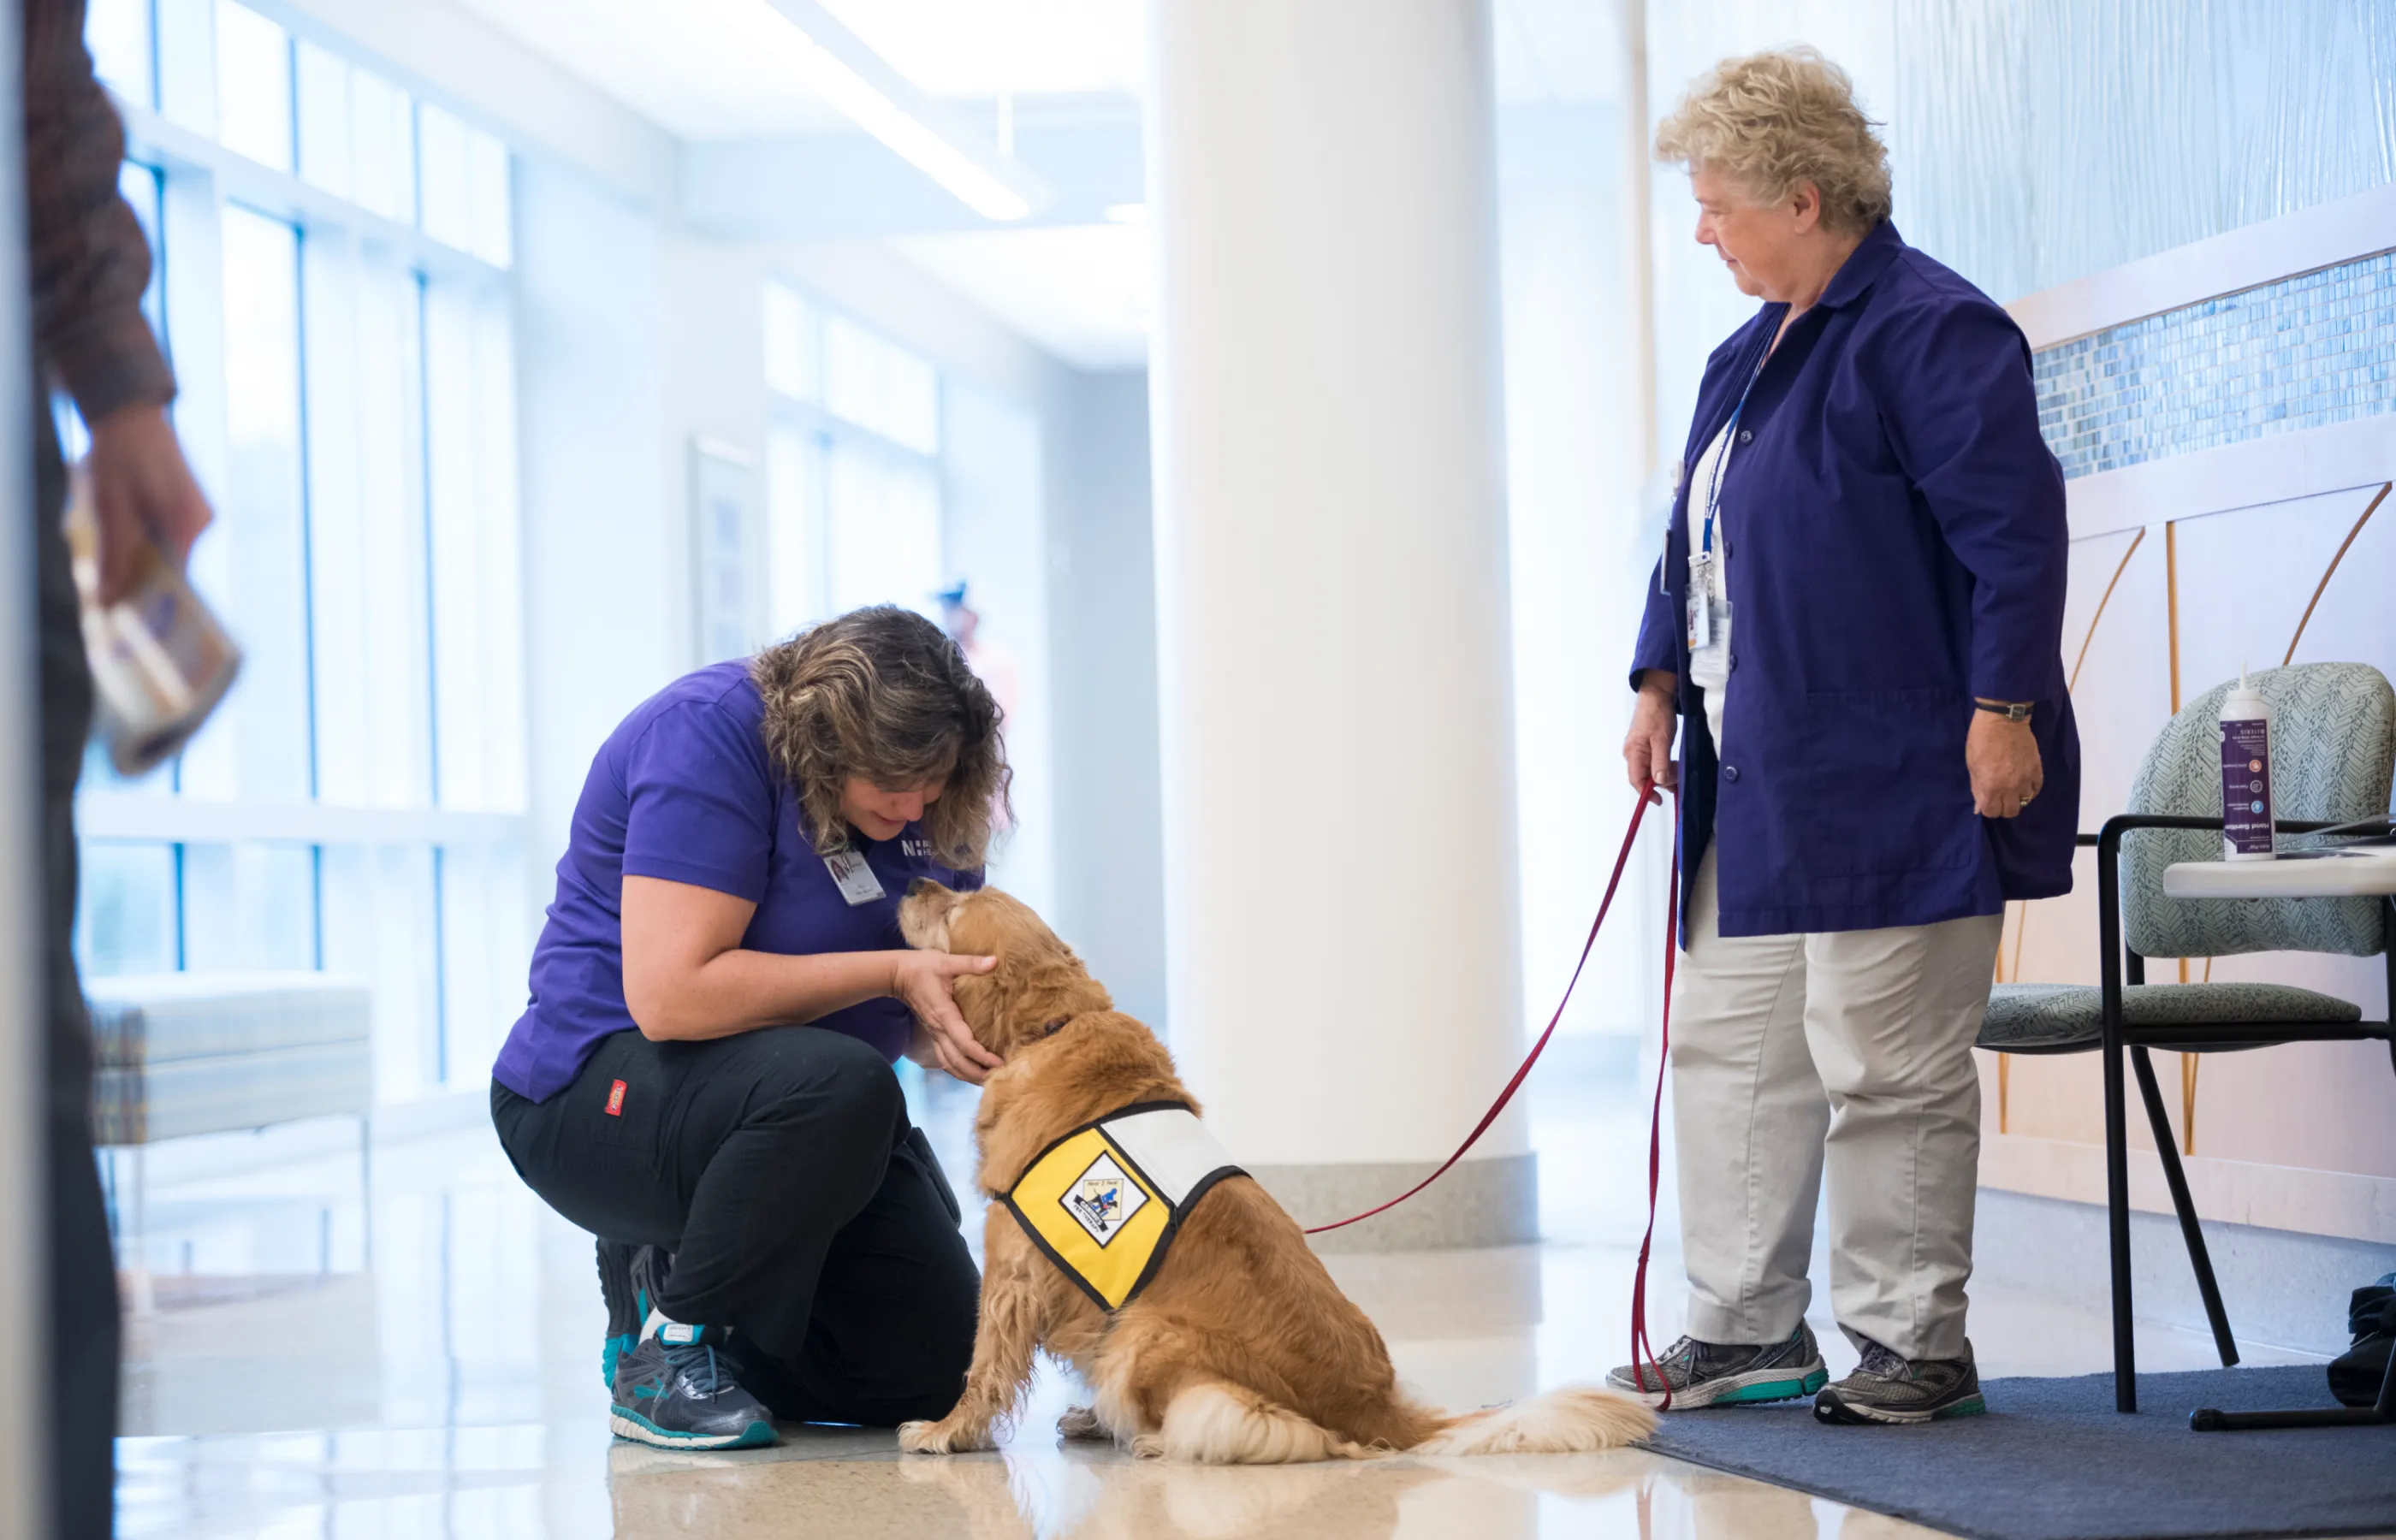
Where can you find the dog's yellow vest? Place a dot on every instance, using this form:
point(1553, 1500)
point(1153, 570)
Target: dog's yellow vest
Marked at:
point(1105, 1201)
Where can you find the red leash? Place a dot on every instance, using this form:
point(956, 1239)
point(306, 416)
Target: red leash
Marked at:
point(1621, 860)
point(1643, 1353)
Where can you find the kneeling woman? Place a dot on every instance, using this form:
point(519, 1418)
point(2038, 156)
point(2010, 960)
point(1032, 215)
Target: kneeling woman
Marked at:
point(702, 1079)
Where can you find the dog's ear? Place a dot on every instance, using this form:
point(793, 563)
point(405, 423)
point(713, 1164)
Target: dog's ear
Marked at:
point(1024, 1000)
point(1053, 989)
point(983, 1000)
point(993, 1006)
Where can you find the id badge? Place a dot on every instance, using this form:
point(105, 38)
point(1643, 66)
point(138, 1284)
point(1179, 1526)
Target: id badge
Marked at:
point(858, 883)
point(1701, 609)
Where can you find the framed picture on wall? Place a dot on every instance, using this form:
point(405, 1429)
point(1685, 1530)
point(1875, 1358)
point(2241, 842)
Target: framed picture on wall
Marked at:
point(728, 557)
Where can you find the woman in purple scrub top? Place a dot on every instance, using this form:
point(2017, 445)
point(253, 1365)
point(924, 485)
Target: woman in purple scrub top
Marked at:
point(702, 1077)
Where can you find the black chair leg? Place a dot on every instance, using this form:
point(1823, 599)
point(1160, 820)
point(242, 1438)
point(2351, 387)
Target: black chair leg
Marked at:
point(2117, 1214)
point(2185, 1206)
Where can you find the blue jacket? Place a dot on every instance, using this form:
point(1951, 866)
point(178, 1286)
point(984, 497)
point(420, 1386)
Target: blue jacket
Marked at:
point(1896, 546)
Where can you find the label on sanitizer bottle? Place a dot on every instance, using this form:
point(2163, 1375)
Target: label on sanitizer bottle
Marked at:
point(2246, 787)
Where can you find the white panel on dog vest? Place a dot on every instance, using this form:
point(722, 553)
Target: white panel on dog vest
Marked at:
point(1171, 1147)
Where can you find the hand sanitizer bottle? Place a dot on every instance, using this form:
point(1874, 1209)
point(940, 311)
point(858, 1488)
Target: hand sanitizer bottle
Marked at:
point(2245, 774)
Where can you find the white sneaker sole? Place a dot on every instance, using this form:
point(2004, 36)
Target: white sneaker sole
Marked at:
point(639, 1429)
point(1855, 1413)
point(1784, 1382)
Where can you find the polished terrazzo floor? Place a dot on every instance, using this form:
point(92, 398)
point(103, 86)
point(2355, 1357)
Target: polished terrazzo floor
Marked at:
point(281, 1387)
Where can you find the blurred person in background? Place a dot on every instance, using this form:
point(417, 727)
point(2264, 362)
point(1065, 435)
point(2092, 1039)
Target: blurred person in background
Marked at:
point(87, 265)
point(994, 664)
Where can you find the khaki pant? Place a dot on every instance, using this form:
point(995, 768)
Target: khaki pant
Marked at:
point(1847, 1054)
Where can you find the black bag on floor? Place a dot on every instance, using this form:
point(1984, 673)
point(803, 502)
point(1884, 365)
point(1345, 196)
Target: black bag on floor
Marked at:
point(2355, 1375)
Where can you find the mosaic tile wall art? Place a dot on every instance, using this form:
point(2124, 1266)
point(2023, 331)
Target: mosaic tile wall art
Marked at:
point(2301, 353)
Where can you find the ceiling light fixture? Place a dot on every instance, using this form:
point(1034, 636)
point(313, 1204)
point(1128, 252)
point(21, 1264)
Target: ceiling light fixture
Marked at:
point(875, 108)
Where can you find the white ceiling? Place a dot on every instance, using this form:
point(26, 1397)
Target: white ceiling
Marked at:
point(698, 68)
point(717, 70)
point(983, 48)
point(1080, 292)
point(724, 69)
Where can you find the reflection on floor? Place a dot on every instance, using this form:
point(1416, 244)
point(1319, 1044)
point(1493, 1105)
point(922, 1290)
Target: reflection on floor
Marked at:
point(452, 1391)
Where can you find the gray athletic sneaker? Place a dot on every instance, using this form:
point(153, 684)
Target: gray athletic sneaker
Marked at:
point(1888, 1388)
point(1713, 1374)
point(677, 1394)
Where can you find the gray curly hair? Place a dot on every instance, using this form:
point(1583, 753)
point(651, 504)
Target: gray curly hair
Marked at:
point(884, 694)
point(1773, 121)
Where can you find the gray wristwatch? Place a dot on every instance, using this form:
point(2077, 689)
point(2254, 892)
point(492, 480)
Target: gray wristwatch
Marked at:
point(2012, 711)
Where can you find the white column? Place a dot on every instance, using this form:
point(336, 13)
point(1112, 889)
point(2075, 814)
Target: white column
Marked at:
point(1341, 896)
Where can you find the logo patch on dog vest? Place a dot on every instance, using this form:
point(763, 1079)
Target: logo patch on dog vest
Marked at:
point(1102, 1200)
point(1105, 1201)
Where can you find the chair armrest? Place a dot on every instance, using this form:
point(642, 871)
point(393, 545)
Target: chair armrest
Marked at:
point(2109, 907)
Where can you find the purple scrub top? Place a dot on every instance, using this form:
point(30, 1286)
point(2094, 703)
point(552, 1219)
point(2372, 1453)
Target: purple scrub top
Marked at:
point(683, 790)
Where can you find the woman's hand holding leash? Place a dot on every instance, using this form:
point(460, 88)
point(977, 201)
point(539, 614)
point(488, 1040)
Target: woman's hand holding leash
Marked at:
point(927, 981)
point(1648, 749)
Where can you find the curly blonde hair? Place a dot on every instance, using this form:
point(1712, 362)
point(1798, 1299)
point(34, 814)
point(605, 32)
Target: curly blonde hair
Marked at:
point(884, 694)
point(1777, 120)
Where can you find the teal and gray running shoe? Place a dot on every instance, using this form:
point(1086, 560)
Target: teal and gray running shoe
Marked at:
point(1887, 1387)
point(679, 1394)
point(1712, 1373)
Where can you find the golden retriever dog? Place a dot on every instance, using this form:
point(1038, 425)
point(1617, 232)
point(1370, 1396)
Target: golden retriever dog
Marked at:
point(1239, 1350)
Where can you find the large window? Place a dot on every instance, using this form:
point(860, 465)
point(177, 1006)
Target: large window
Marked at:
point(852, 472)
point(333, 289)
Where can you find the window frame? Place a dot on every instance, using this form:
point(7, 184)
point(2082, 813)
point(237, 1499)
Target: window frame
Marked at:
point(826, 434)
point(197, 178)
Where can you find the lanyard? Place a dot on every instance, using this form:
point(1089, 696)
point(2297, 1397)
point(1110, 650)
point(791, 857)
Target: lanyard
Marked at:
point(1722, 464)
point(1721, 459)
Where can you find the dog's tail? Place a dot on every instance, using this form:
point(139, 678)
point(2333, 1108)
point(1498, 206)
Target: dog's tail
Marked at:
point(1214, 1421)
point(1571, 1421)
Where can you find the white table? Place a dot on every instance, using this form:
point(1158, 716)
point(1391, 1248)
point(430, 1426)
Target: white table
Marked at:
point(2338, 874)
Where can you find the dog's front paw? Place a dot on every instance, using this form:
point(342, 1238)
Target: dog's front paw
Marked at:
point(1080, 1422)
point(946, 1437)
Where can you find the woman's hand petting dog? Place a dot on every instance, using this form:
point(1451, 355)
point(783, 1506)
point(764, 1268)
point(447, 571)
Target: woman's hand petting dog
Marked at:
point(927, 981)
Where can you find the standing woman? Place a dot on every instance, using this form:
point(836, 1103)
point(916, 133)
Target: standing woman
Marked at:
point(1858, 627)
point(702, 1079)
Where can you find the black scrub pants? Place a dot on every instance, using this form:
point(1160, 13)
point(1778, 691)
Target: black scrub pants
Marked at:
point(802, 1209)
point(80, 1341)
